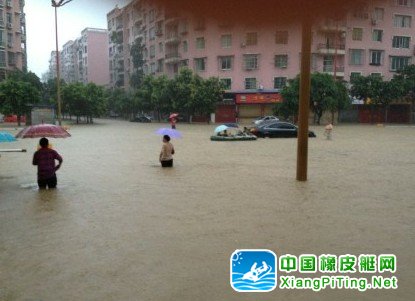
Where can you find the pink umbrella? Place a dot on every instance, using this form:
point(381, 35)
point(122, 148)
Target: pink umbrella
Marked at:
point(43, 130)
point(174, 115)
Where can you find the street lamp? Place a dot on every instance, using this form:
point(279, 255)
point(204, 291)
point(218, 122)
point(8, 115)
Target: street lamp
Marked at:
point(57, 4)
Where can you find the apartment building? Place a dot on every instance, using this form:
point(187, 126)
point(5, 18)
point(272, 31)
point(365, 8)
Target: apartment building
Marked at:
point(12, 36)
point(255, 61)
point(84, 59)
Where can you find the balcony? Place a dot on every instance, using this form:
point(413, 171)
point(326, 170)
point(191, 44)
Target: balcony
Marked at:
point(171, 19)
point(329, 69)
point(172, 39)
point(339, 49)
point(332, 26)
point(172, 58)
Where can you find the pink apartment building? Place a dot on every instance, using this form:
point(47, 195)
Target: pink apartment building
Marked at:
point(255, 61)
point(12, 36)
point(85, 59)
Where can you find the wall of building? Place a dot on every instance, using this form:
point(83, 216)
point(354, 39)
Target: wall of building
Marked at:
point(12, 37)
point(334, 43)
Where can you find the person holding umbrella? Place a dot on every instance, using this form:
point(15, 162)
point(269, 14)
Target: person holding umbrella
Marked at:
point(173, 120)
point(44, 159)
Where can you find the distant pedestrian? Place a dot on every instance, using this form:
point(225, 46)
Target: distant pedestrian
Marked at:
point(45, 159)
point(167, 152)
point(328, 131)
point(173, 122)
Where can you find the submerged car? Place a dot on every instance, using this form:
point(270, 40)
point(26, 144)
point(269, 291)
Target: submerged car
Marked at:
point(278, 130)
point(261, 120)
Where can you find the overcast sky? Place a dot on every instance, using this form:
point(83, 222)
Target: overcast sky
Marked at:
point(72, 19)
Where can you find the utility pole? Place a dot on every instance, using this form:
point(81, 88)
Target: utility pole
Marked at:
point(57, 4)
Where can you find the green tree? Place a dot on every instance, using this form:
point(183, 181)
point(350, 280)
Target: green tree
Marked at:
point(137, 55)
point(377, 92)
point(210, 92)
point(326, 95)
point(289, 107)
point(96, 101)
point(75, 100)
point(16, 96)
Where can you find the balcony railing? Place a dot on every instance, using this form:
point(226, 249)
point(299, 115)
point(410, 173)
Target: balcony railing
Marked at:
point(340, 46)
point(330, 69)
point(172, 39)
point(171, 58)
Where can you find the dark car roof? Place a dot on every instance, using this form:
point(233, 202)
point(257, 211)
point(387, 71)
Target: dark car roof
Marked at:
point(262, 125)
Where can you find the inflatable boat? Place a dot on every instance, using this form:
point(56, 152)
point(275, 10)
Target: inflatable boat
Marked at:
point(233, 138)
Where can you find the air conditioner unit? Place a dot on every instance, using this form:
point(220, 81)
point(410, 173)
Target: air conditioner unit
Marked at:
point(10, 45)
point(9, 25)
point(374, 22)
point(243, 45)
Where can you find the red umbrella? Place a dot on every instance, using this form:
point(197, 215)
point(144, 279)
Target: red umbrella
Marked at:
point(43, 130)
point(174, 115)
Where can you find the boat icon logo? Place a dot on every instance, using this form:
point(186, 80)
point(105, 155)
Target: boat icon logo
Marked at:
point(253, 270)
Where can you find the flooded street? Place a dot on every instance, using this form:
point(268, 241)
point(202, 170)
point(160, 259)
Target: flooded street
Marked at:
point(121, 228)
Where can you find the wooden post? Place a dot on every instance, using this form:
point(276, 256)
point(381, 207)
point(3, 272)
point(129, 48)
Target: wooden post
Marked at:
point(304, 105)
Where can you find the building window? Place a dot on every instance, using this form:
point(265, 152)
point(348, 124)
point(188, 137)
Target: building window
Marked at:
point(152, 33)
point(226, 41)
point(356, 56)
point(200, 43)
point(161, 47)
point(160, 65)
point(151, 15)
point(328, 62)
point(184, 64)
point(2, 59)
point(399, 62)
point(251, 61)
point(377, 35)
point(9, 18)
point(376, 57)
point(185, 46)
point(153, 68)
point(9, 39)
point(377, 74)
point(11, 58)
point(400, 42)
point(227, 83)
point(407, 3)
point(251, 39)
point(281, 37)
point(379, 13)
point(402, 21)
point(250, 83)
point(152, 51)
point(357, 34)
point(200, 64)
point(354, 75)
point(225, 62)
point(280, 82)
point(281, 61)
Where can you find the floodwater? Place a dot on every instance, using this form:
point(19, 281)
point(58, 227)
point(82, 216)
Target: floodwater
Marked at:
point(121, 228)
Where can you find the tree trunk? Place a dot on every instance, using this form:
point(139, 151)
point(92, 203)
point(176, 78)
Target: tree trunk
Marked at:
point(77, 119)
point(386, 113)
point(18, 120)
point(332, 117)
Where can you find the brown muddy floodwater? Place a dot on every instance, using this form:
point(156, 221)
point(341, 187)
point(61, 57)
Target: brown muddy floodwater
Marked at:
point(121, 228)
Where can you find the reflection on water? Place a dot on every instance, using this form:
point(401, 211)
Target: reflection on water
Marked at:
point(117, 215)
